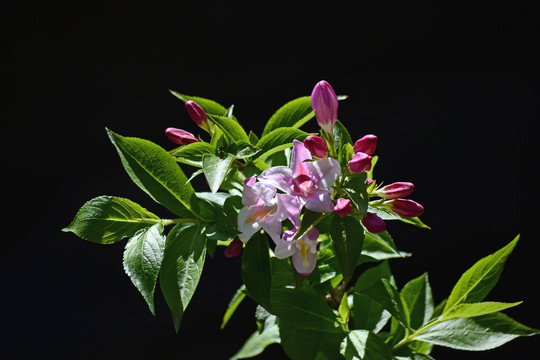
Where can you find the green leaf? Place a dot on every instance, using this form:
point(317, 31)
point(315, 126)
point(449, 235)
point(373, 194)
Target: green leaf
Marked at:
point(341, 137)
point(348, 237)
point(386, 214)
point(476, 333)
point(231, 128)
point(355, 187)
point(278, 140)
point(239, 295)
point(477, 309)
point(108, 219)
point(300, 344)
point(386, 294)
point(256, 271)
point(142, 260)
point(293, 114)
point(257, 342)
point(156, 172)
point(183, 261)
point(362, 344)
point(380, 247)
point(477, 282)
point(192, 154)
point(417, 295)
point(209, 106)
point(242, 149)
point(215, 170)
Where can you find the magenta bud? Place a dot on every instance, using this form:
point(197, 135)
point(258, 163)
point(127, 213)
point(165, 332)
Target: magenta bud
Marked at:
point(316, 146)
point(360, 162)
point(366, 144)
point(343, 207)
point(369, 182)
point(180, 137)
point(405, 207)
point(234, 249)
point(197, 114)
point(396, 190)
point(325, 105)
point(373, 223)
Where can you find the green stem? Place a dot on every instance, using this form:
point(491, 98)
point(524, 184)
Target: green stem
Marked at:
point(411, 337)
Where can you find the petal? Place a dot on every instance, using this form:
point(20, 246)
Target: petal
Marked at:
point(290, 207)
point(324, 172)
point(277, 176)
point(299, 155)
point(320, 201)
point(245, 225)
point(284, 249)
point(273, 229)
point(304, 259)
point(265, 192)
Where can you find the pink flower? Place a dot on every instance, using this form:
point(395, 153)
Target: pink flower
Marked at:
point(325, 105)
point(343, 207)
point(373, 223)
point(308, 181)
point(197, 114)
point(234, 249)
point(360, 162)
point(180, 137)
point(316, 146)
point(366, 144)
point(405, 207)
point(395, 190)
point(303, 250)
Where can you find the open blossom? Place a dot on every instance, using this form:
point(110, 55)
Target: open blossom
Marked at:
point(264, 208)
point(325, 105)
point(302, 250)
point(309, 181)
point(180, 137)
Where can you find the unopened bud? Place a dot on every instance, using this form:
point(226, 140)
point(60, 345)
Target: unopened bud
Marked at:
point(234, 249)
point(325, 105)
point(366, 144)
point(316, 146)
point(396, 190)
point(197, 114)
point(343, 207)
point(405, 207)
point(373, 223)
point(360, 162)
point(180, 137)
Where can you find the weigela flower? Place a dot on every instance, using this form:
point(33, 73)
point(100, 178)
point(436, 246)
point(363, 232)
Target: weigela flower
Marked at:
point(343, 207)
point(308, 181)
point(395, 190)
point(325, 105)
point(360, 162)
point(180, 137)
point(366, 144)
point(197, 114)
point(405, 207)
point(234, 248)
point(302, 250)
point(316, 146)
point(373, 223)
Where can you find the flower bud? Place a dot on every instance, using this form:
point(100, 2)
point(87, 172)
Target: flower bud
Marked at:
point(405, 207)
point(360, 162)
point(234, 249)
point(316, 146)
point(373, 223)
point(325, 105)
point(366, 144)
point(396, 190)
point(343, 207)
point(180, 137)
point(197, 114)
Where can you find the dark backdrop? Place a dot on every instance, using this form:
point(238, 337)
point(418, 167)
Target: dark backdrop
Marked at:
point(450, 89)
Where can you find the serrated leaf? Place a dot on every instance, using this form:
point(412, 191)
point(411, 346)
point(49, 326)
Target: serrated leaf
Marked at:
point(108, 219)
point(242, 149)
point(156, 172)
point(142, 261)
point(192, 154)
point(300, 344)
point(477, 309)
point(215, 170)
point(347, 237)
point(183, 261)
point(417, 296)
point(364, 345)
point(231, 128)
point(476, 333)
point(256, 270)
point(379, 247)
point(294, 114)
point(278, 140)
point(474, 285)
point(355, 187)
point(386, 295)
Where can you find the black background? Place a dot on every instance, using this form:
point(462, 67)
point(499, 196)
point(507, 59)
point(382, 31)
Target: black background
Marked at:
point(450, 89)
